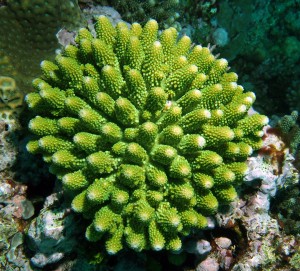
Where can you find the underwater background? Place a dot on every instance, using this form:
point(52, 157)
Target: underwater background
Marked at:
point(258, 230)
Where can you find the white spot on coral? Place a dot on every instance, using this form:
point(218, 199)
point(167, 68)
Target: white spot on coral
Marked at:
point(186, 38)
point(182, 58)
point(197, 93)
point(233, 85)
point(265, 120)
point(168, 105)
point(169, 152)
point(107, 68)
point(241, 87)
point(218, 87)
point(193, 68)
point(219, 112)
point(157, 247)
point(252, 94)
point(87, 79)
point(83, 113)
point(242, 108)
point(175, 221)
point(177, 130)
point(207, 114)
point(260, 133)
point(201, 141)
point(197, 48)
point(248, 100)
point(223, 63)
point(250, 150)
point(157, 44)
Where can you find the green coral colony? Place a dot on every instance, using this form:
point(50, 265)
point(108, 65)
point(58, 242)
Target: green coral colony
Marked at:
point(149, 132)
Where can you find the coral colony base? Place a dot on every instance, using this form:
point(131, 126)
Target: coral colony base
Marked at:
point(149, 132)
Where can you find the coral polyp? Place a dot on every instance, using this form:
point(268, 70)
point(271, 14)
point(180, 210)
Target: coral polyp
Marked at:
point(148, 131)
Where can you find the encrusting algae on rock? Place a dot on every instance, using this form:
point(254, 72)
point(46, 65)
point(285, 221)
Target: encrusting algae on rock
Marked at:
point(149, 132)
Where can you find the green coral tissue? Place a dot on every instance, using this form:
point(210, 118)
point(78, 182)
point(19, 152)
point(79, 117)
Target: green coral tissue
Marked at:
point(146, 130)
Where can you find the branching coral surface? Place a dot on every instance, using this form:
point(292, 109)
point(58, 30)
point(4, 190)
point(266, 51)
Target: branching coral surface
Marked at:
point(149, 132)
point(165, 12)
